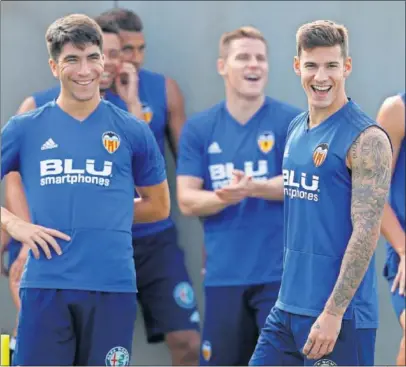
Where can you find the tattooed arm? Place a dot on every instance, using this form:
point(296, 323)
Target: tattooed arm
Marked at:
point(369, 159)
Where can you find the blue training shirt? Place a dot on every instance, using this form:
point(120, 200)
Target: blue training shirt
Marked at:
point(79, 178)
point(244, 242)
point(317, 187)
point(152, 94)
point(397, 202)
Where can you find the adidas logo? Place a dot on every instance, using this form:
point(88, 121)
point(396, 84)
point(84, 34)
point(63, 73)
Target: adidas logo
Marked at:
point(214, 148)
point(49, 144)
point(195, 317)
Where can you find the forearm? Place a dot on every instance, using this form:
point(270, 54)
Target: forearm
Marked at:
point(354, 265)
point(135, 108)
point(6, 218)
point(392, 230)
point(15, 199)
point(200, 203)
point(271, 189)
point(147, 210)
point(370, 161)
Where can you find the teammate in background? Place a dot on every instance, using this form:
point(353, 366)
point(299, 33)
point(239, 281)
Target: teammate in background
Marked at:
point(392, 118)
point(336, 169)
point(165, 291)
point(243, 232)
point(14, 191)
point(89, 155)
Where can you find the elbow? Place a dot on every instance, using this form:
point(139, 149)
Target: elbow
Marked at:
point(185, 207)
point(163, 209)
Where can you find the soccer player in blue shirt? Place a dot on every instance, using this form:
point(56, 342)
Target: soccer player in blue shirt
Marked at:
point(243, 232)
point(391, 117)
point(336, 171)
point(125, 98)
point(79, 158)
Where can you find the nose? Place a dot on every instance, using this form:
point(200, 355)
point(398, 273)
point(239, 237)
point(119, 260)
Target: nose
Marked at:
point(84, 68)
point(253, 62)
point(321, 75)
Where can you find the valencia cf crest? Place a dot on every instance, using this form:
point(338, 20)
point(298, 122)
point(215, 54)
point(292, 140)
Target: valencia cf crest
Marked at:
point(147, 113)
point(320, 154)
point(206, 350)
point(111, 141)
point(266, 141)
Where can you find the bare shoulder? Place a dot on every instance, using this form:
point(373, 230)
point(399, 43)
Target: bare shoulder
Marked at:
point(370, 156)
point(173, 90)
point(27, 105)
point(391, 116)
point(393, 103)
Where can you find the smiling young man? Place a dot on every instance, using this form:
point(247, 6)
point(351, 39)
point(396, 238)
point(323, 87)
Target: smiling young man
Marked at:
point(14, 192)
point(243, 135)
point(336, 170)
point(79, 158)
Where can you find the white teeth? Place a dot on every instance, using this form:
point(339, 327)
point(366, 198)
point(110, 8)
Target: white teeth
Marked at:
point(84, 83)
point(106, 74)
point(321, 89)
point(252, 77)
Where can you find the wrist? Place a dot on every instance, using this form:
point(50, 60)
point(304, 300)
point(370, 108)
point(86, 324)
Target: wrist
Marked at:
point(134, 103)
point(333, 311)
point(254, 189)
point(24, 251)
point(7, 221)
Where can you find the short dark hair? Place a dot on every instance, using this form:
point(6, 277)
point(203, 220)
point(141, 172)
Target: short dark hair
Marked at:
point(322, 33)
point(78, 29)
point(107, 25)
point(126, 19)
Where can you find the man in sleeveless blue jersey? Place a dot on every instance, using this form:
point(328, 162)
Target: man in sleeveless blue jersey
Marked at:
point(391, 117)
point(79, 158)
point(336, 172)
point(243, 233)
point(165, 293)
point(15, 198)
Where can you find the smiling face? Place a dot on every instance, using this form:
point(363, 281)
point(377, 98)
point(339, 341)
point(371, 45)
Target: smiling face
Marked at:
point(244, 67)
point(112, 59)
point(323, 71)
point(79, 70)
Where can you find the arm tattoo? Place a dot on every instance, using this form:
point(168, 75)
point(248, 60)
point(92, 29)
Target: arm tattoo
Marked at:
point(371, 160)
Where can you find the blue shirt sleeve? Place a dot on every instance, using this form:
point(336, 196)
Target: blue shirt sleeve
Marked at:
point(10, 147)
point(191, 155)
point(148, 164)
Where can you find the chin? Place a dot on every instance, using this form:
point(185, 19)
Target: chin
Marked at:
point(252, 95)
point(320, 104)
point(84, 97)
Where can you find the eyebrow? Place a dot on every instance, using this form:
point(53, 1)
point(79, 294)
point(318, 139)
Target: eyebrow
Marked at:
point(72, 56)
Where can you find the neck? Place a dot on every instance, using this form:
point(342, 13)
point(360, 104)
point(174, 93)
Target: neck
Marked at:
point(319, 115)
point(242, 109)
point(79, 110)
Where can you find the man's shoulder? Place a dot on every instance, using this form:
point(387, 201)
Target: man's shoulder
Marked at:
point(44, 96)
point(127, 123)
point(149, 75)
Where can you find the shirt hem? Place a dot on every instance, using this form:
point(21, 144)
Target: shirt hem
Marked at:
point(303, 311)
point(367, 325)
point(240, 283)
point(75, 287)
point(144, 232)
